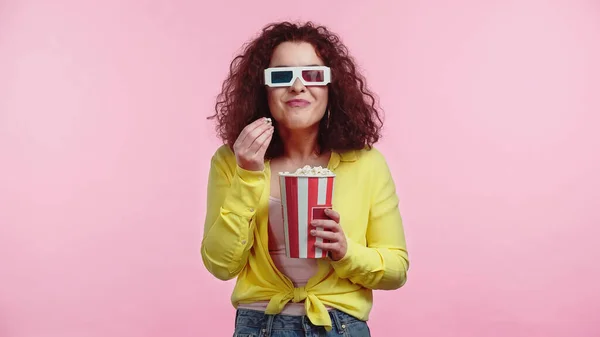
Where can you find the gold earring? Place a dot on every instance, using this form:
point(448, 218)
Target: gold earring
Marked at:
point(328, 118)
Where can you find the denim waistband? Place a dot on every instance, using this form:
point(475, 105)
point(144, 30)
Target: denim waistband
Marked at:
point(260, 320)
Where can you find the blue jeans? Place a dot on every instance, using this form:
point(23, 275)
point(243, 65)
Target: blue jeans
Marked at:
point(252, 323)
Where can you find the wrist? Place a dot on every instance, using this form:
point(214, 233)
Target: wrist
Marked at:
point(337, 256)
point(252, 167)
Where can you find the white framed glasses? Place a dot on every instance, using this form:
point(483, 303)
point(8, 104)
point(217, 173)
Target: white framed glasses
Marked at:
point(286, 76)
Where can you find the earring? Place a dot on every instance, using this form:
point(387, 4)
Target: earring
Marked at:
point(328, 118)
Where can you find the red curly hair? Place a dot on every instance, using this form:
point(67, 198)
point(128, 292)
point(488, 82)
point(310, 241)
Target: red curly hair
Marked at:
point(354, 123)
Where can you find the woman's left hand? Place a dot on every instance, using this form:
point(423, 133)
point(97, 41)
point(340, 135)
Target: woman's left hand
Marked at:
point(330, 230)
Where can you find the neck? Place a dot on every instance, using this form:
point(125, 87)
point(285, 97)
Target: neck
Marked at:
point(300, 145)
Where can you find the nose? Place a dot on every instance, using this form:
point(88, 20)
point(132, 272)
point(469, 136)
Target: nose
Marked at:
point(297, 86)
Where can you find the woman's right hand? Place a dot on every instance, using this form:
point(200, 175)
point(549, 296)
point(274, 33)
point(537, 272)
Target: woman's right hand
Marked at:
point(252, 143)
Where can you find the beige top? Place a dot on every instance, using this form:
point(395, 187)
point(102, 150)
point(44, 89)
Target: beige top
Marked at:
point(299, 271)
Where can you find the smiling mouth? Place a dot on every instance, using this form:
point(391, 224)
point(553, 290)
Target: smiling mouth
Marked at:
point(298, 103)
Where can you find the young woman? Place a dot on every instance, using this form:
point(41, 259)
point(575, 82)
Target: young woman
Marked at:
point(293, 98)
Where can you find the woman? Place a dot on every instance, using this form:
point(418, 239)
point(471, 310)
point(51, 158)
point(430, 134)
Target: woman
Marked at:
point(302, 79)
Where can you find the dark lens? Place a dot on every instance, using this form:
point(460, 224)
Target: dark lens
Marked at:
point(281, 76)
point(313, 75)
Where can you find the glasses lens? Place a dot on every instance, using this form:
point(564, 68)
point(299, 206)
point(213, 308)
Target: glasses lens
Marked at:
point(313, 75)
point(281, 76)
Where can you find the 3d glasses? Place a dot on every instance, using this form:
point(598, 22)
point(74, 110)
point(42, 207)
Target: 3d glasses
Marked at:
point(286, 76)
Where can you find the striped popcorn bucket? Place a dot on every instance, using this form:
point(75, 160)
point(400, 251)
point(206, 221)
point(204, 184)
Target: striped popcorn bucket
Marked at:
point(303, 199)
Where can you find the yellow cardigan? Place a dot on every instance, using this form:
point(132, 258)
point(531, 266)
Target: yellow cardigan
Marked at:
point(235, 239)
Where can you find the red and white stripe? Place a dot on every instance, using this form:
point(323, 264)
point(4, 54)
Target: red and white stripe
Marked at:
point(304, 199)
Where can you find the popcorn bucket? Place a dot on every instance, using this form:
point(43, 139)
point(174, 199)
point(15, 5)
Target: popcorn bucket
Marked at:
point(303, 199)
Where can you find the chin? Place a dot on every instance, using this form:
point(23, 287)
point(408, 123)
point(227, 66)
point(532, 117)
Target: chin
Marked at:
point(298, 111)
point(297, 119)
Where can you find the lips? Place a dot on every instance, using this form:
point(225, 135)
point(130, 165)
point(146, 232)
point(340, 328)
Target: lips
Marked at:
point(298, 103)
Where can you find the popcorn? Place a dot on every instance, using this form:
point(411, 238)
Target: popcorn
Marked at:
point(311, 171)
point(269, 120)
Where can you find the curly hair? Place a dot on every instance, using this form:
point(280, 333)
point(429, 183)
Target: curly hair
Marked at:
point(354, 122)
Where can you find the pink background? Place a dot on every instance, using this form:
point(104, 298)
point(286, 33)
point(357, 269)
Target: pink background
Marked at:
point(491, 132)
